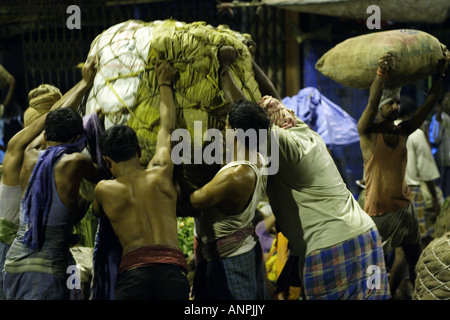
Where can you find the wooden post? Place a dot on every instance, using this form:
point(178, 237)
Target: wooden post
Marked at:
point(292, 55)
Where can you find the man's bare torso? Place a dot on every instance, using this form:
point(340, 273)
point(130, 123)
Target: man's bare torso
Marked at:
point(67, 172)
point(142, 209)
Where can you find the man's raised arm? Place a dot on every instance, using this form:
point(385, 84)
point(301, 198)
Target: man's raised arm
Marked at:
point(376, 90)
point(12, 162)
point(421, 114)
point(71, 99)
point(227, 55)
point(9, 95)
point(165, 74)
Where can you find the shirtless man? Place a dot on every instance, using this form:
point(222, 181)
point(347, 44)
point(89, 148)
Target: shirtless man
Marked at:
point(11, 191)
point(383, 146)
point(141, 205)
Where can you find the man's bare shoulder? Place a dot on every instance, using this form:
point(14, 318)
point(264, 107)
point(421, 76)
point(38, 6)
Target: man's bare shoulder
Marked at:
point(373, 129)
point(75, 157)
point(111, 187)
point(157, 174)
point(73, 162)
point(238, 177)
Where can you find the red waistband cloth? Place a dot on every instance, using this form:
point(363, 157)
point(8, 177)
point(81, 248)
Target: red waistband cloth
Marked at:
point(151, 255)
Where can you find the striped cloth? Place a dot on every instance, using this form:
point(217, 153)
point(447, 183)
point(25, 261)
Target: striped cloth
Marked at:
point(149, 255)
point(40, 274)
point(344, 272)
point(241, 277)
point(419, 204)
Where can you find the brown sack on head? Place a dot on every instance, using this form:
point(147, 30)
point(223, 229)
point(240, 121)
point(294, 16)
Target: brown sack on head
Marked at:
point(40, 100)
point(354, 61)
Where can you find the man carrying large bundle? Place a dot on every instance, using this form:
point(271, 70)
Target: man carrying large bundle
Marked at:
point(229, 257)
point(141, 205)
point(383, 146)
point(52, 170)
point(11, 191)
point(334, 239)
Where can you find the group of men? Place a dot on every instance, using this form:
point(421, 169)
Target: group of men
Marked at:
point(334, 242)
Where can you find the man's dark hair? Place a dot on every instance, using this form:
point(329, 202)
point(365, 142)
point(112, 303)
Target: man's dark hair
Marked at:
point(119, 142)
point(245, 115)
point(62, 125)
point(408, 106)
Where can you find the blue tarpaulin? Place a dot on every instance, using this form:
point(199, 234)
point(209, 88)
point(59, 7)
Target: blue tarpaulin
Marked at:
point(335, 126)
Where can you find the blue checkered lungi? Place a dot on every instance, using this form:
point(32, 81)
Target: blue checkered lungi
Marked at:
point(352, 270)
point(241, 277)
point(419, 204)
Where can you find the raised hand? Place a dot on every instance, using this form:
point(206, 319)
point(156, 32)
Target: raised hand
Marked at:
point(443, 63)
point(227, 55)
point(90, 70)
point(386, 62)
point(165, 73)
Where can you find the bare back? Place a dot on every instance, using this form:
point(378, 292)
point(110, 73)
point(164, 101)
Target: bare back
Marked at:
point(29, 161)
point(68, 172)
point(141, 203)
point(141, 208)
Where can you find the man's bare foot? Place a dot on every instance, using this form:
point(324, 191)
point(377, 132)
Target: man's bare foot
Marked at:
point(227, 55)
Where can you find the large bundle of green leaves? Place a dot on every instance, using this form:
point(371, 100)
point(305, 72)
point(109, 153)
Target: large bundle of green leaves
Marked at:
point(126, 88)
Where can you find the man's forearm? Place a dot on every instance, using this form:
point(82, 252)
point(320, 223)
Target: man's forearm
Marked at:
point(376, 91)
point(266, 86)
point(431, 100)
point(167, 108)
point(12, 85)
point(432, 188)
point(73, 97)
point(231, 90)
point(369, 114)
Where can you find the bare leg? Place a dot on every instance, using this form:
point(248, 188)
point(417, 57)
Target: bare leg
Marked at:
point(227, 55)
point(412, 255)
point(397, 271)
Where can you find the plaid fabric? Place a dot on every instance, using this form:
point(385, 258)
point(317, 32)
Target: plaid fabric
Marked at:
point(419, 204)
point(341, 272)
point(241, 277)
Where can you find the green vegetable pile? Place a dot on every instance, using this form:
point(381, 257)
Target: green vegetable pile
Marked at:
point(186, 235)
